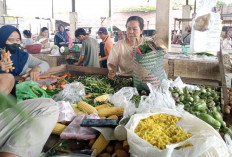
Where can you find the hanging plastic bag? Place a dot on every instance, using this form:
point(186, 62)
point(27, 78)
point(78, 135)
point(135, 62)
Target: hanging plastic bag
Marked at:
point(123, 98)
point(29, 90)
point(72, 93)
point(206, 30)
point(66, 112)
point(75, 131)
point(206, 141)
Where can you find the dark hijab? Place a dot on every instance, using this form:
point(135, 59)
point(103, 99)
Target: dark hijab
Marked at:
point(19, 58)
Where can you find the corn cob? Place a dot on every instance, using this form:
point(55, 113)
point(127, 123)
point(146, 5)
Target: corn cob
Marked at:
point(58, 129)
point(77, 111)
point(109, 111)
point(102, 98)
point(102, 106)
point(113, 117)
point(100, 144)
point(86, 107)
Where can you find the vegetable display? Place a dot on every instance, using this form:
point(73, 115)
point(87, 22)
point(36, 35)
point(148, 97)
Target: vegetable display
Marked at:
point(204, 103)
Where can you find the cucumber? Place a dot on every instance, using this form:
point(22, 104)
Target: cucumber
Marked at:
point(200, 106)
point(210, 120)
point(217, 116)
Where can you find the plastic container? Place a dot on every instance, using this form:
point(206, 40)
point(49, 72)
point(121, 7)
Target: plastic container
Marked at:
point(34, 48)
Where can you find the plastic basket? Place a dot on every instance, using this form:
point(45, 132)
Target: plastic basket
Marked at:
point(34, 48)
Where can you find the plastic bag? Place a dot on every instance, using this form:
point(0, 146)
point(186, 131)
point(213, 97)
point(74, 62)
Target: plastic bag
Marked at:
point(203, 23)
point(75, 131)
point(29, 90)
point(66, 112)
point(72, 93)
point(206, 141)
point(122, 98)
point(228, 143)
point(159, 97)
point(55, 52)
point(208, 40)
point(178, 83)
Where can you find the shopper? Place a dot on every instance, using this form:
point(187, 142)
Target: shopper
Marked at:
point(121, 58)
point(43, 38)
point(89, 51)
point(186, 37)
point(24, 64)
point(105, 46)
point(26, 126)
point(28, 40)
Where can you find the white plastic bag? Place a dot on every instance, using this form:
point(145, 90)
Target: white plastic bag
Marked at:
point(159, 97)
point(122, 98)
point(207, 40)
point(178, 83)
point(72, 93)
point(55, 52)
point(206, 141)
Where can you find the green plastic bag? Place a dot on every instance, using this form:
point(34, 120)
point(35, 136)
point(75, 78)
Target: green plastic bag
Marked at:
point(30, 90)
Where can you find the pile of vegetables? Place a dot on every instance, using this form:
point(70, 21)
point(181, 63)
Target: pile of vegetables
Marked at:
point(151, 45)
point(204, 103)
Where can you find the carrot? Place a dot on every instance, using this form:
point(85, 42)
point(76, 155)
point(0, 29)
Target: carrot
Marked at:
point(88, 96)
point(44, 76)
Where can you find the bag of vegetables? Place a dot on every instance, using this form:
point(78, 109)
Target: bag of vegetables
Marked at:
point(148, 65)
point(170, 133)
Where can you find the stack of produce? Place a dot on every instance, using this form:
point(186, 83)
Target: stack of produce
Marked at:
point(204, 103)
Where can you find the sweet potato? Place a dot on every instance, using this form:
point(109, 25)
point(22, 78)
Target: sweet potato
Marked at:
point(120, 153)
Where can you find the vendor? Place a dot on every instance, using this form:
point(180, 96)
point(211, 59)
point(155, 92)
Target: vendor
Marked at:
point(89, 51)
point(10, 39)
point(28, 40)
point(121, 57)
point(105, 46)
point(227, 42)
point(62, 36)
point(43, 38)
point(22, 135)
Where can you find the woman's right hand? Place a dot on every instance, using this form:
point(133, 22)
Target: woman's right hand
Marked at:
point(4, 66)
point(111, 74)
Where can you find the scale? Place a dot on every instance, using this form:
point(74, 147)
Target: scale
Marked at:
point(64, 47)
point(75, 47)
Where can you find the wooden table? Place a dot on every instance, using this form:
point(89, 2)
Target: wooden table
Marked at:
point(55, 60)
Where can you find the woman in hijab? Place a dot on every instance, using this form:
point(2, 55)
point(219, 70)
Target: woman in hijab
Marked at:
point(10, 39)
point(62, 36)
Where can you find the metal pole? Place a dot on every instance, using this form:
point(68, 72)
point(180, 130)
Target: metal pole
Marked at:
point(73, 5)
point(187, 2)
point(109, 8)
point(195, 6)
point(4, 7)
point(52, 10)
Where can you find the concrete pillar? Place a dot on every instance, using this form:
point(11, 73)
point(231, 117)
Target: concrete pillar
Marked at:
point(1, 12)
point(186, 14)
point(73, 23)
point(163, 21)
point(109, 25)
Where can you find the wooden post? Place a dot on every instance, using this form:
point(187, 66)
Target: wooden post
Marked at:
point(73, 5)
point(223, 81)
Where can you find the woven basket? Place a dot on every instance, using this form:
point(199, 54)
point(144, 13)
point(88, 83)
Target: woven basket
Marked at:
point(34, 48)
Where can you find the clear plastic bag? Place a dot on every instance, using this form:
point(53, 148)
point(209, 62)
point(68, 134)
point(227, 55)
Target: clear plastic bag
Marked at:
point(206, 141)
point(72, 93)
point(123, 98)
point(66, 112)
point(75, 131)
point(178, 83)
point(159, 97)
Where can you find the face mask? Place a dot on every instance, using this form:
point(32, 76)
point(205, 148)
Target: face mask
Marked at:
point(12, 47)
